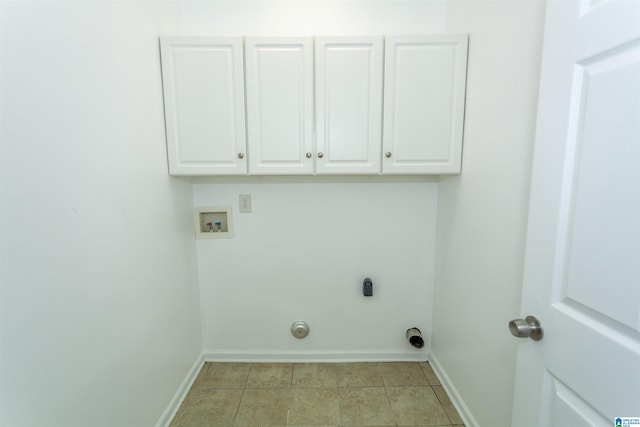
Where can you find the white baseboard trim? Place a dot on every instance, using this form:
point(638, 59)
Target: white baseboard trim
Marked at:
point(178, 397)
point(337, 356)
point(456, 399)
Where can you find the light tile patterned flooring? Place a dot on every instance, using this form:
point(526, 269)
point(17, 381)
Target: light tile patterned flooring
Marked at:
point(316, 394)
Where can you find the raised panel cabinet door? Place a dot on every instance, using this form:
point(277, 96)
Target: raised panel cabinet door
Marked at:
point(424, 95)
point(348, 89)
point(204, 105)
point(279, 84)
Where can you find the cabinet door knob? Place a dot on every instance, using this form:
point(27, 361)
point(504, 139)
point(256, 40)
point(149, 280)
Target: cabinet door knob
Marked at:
point(240, 155)
point(387, 154)
point(321, 155)
point(309, 155)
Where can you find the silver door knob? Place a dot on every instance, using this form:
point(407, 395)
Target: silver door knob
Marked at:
point(387, 154)
point(309, 155)
point(527, 328)
point(240, 155)
point(321, 155)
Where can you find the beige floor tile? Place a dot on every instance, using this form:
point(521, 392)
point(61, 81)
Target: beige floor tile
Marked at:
point(263, 407)
point(416, 406)
point(314, 407)
point(211, 408)
point(305, 394)
point(451, 411)
point(270, 375)
point(428, 371)
point(365, 406)
point(314, 375)
point(358, 375)
point(200, 378)
point(223, 375)
point(402, 374)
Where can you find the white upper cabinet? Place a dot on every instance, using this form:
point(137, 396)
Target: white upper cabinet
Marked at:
point(204, 105)
point(279, 84)
point(424, 95)
point(336, 105)
point(348, 96)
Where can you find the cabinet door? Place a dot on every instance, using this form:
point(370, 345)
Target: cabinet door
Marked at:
point(348, 104)
point(279, 83)
point(425, 78)
point(204, 105)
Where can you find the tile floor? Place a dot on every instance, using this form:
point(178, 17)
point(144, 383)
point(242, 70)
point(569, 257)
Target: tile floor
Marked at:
point(316, 394)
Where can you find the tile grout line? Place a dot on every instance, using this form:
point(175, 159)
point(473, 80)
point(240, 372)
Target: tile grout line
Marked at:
point(386, 393)
point(293, 367)
point(235, 414)
point(244, 387)
point(335, 367)
point(442, 404)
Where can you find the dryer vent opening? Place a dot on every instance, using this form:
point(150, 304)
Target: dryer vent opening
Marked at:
point(415, 337)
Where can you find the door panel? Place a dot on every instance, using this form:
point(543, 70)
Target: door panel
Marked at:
point(604, 190)
point(279, 84)
point(204, 105)
point(424, 94)
point(349, 104)
point(570, 410)
point(583, 245)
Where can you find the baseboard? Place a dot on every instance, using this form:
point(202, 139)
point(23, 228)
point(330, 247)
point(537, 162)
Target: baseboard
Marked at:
point(316, 356)
point(185, 386)
point(456, 399)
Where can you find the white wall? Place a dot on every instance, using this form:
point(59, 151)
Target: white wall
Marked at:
point(303, 253)
point(482, 213)
point(99, 298)
point(312, 17)
point(99, 314)
point(309, 244)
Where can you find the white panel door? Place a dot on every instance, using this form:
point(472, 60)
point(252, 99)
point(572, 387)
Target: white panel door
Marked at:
point(279, 83)
point(204, 105)
point(348, 83)
point(424, 96)
point(582, 265)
